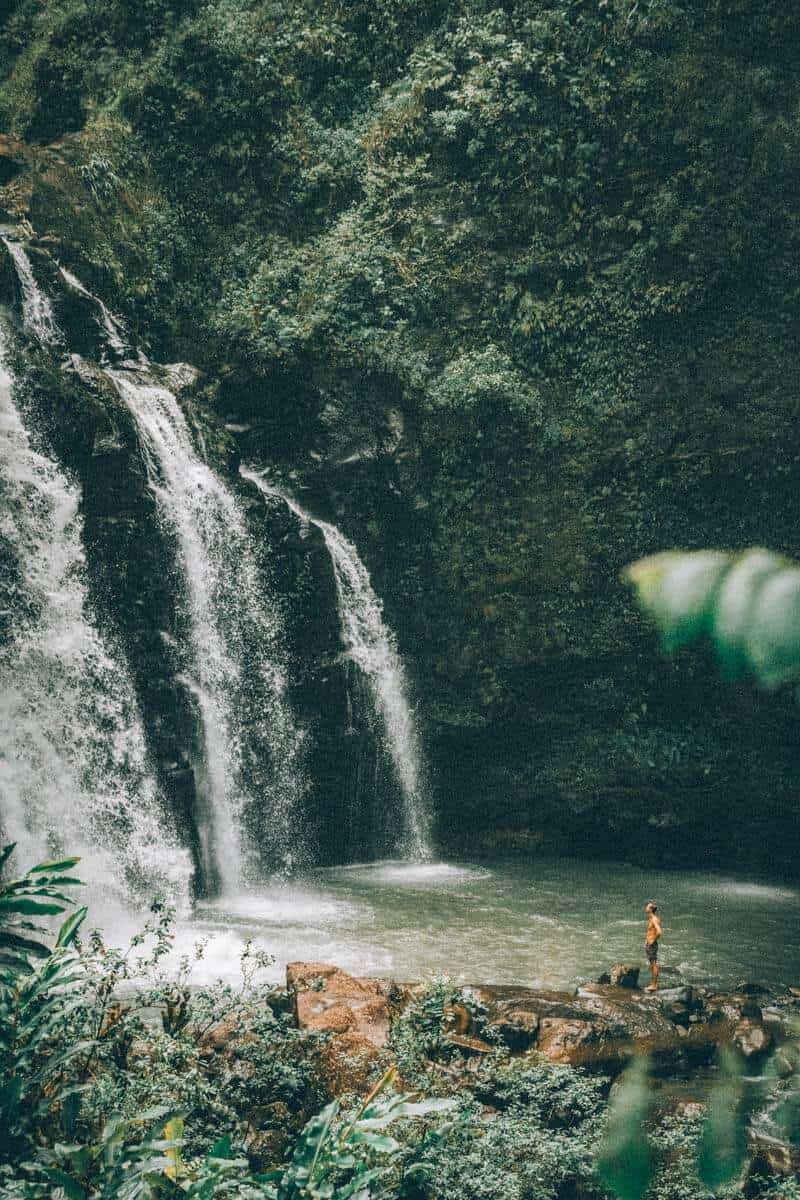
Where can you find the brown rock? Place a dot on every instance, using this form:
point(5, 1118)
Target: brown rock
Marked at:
point(338, 1018)
point(458, 1019)
point(327, 999)
point(566, 1041)
point(348, 1062)
point(751, 1038)
point(469, 1045)
point(730, 1006)
point(624, 975)
point(517, 1027)
point(772, 1156)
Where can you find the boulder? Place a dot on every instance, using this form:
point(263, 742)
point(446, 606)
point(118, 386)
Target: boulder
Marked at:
point(751, 1039)
point(624, 975)
point(517, 1027)
point(730, 1006)
point(677, 1004)
point(328, 1000)
point(347, 1062)
point(469, 1046)
point(458, 1019)
point(565, 1040)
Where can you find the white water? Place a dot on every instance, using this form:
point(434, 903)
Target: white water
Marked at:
point(108, 324)
point(542, 923)
point(37, 311)
point(74, 773)
point(234, 667)
point(371, 646)
point(249, 759)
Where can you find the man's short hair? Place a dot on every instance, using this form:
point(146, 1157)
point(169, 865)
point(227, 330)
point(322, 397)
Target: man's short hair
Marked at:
point(652, 904)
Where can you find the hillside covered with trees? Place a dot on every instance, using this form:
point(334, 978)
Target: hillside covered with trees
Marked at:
point(512, 291)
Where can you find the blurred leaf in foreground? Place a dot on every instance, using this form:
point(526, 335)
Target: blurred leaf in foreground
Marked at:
point(624, 1160)
point(723, 1145)
point(747, 604)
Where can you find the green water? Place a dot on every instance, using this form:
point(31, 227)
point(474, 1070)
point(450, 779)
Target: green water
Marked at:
point(546, 924)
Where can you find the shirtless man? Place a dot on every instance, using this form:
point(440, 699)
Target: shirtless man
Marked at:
point(651, 942)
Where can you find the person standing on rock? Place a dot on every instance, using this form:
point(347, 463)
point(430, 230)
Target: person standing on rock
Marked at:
point(651, 942)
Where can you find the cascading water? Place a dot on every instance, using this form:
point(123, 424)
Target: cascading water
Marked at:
point(37, 311)
point(371, 646)
point(248, 772)
point(234, 666)
point(73, 760)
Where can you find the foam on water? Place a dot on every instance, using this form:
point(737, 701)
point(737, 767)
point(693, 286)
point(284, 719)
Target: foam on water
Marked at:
point(540, 924)
point(413, 874)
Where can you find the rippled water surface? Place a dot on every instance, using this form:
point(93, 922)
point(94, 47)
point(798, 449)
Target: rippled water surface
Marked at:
point(544, 923)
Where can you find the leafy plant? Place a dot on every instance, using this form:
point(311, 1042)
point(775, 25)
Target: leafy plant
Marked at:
point(37, 894)
point(349, 1159)
point(624, 1159)
point(37, 993)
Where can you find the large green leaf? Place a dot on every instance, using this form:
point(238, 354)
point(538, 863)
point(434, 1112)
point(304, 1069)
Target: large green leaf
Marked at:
point(624, 1160)
point(723, 1145)
point(747, 604)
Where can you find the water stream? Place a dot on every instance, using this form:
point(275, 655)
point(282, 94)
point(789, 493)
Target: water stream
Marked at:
point(371, 646)
point(547, 923)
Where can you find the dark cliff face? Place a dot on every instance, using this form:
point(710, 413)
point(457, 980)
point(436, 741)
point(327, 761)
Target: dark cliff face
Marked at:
point(512, 297)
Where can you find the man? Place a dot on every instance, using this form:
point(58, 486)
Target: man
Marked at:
point(651, 942)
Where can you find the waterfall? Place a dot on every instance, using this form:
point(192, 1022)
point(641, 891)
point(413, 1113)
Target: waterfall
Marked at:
point(372, 647)
point(248, 772)
point(234, 666)
point(74, 771)
point(37, 311)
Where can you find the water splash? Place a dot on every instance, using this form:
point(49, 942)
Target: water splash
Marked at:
point(371, 646)
point(74, 770)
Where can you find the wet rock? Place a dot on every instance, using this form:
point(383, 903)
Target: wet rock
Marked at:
point(730, 1006)
point(517, 1027)
point(348, 1062)
point(772, 1156)
point(327, 999)
point(458, 1019)
point(751, 1038)
point(624, 975)
point(568, 1041)
point(677, 1004)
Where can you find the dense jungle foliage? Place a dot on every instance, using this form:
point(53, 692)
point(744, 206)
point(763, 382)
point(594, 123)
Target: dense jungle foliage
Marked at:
point(123, 1081)
point(512, 288)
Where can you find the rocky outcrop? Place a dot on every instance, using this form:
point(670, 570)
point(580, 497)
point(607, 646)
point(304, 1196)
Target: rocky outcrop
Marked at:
point(328, 1000)
point(597, 1026)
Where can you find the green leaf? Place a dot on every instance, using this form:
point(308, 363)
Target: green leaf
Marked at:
point(747, 604)
point(624, 1160)
point(27, 904)
point(54, 864)
point(723, 1144)
point(67, 932)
